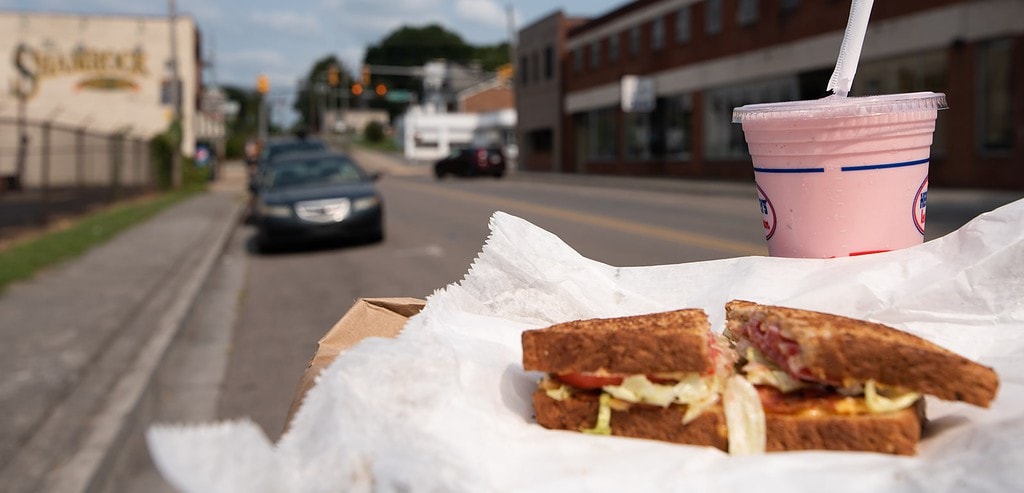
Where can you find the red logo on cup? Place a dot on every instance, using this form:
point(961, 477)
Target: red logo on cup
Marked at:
point(920, 206)
point(767, 213)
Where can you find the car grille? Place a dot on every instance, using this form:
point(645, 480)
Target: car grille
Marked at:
point(324, 211)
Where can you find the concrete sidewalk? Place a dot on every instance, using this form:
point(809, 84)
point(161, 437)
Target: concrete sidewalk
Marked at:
point(81, 340)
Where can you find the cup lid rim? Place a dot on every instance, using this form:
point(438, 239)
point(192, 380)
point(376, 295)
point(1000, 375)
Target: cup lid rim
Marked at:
point(839, 106)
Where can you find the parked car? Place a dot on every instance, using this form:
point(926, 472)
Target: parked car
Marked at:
point(318, 195)
point(279, 147)
point(472, 161)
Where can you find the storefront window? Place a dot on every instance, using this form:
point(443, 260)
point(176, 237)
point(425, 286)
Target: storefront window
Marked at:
point(676, 132)
point(602, 135)
point(638, 135)
point(911, 73)
point(723, 140)
point(995, 83)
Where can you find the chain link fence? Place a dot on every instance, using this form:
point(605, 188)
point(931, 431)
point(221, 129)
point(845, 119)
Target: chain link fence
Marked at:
point(50, 171)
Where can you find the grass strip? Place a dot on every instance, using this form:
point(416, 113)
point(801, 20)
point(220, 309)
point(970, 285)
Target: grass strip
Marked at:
point(23, 260)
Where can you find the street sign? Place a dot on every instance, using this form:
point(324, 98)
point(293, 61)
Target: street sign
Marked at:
point(399, 96)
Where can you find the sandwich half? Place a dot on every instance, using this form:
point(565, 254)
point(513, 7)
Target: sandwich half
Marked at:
point(658, 376)
point(838, 383)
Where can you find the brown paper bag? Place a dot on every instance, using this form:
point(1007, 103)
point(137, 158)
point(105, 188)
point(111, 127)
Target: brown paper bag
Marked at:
point(368, 317)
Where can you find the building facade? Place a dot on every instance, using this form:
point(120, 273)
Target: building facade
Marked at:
point(539, 82)
point(699, 59)
point(462, 107)
point(99, 73)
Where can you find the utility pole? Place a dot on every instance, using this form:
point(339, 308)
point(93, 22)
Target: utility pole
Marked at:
point(175, 94)
point(510, 15)
point(511, 18)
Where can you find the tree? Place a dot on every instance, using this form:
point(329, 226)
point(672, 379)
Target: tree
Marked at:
point(315, 95)
point(247, 119)
point(245, 123)
point(415, 46)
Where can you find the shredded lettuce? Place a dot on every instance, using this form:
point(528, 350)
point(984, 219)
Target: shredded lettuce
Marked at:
point(637, 388)
point(878, 403)
point(559, 394)
point(762, 371)
point(691, 389)
point(744, 417)
point(696, 408)
point(604, 417)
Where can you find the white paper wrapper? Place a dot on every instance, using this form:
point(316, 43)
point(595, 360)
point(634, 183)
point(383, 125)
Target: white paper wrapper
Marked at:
point(446, 405)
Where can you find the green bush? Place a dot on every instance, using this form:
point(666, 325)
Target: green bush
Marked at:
point(234, 147)
point(374, 132)
point(162, 149)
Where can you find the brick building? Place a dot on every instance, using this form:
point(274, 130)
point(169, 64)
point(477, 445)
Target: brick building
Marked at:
point(539, 84)
point(702, 58)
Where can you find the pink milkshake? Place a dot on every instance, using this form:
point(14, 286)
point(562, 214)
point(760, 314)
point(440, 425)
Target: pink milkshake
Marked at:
point(842, 176)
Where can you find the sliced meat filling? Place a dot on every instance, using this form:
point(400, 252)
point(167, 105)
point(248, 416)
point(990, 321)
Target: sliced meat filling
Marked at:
point(775, 346)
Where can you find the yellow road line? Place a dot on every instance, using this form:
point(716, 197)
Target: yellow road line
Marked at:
point(668, 234)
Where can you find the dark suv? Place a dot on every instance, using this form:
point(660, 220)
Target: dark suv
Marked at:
point(472, 161)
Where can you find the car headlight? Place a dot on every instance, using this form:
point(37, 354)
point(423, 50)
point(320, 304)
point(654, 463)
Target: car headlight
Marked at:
point(364, 203)
point(270, 210)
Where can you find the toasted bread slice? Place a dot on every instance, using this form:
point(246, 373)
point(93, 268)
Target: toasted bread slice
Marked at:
point(891, 433)
point(836, 349)
point(656, 423)
point(660, 342)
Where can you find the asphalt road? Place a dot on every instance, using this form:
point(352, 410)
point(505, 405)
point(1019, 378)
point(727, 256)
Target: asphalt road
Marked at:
point(279, 305)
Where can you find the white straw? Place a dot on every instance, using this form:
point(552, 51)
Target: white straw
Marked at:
point(849, 52)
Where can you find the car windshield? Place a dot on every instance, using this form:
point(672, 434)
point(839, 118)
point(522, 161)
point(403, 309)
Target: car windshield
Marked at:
point(321, 171)
point(279, 149)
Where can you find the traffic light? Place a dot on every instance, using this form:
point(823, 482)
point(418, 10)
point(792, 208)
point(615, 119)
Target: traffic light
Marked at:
point(262, 84)
point(333, 76)
point(505, 72)
point(357, 89)
point(366, 75)
point(381, 89)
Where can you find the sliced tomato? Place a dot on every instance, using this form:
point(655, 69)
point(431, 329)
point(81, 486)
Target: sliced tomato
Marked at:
point(587, 380)
point(662, 380)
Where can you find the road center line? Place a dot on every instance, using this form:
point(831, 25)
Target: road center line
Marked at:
point(647, 230)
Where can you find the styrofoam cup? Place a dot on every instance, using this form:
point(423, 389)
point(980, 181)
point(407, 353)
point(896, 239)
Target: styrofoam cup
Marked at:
point(842, 176)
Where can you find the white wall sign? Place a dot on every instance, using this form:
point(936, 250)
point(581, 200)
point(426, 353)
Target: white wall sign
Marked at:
point(638, 94)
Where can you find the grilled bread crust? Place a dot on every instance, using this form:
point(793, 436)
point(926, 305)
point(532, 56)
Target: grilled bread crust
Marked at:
point(892, 433)
point(835, 348)
point(641, 344)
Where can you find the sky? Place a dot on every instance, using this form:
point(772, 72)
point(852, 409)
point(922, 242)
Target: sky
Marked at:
point(284, 38)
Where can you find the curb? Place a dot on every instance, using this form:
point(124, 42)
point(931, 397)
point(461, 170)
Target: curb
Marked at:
point(90, 467)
